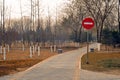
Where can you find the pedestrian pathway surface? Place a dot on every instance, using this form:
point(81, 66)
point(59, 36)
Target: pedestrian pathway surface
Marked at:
point(64, 66)
point(88, 75)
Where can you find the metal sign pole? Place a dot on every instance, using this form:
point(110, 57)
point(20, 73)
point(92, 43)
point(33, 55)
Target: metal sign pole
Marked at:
point(87, 57)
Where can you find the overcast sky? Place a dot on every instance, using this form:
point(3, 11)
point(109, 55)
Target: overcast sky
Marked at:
point(14, 5)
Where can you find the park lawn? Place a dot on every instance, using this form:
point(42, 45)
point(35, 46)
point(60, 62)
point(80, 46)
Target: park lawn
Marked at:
point(102, 62)
point(18, 60)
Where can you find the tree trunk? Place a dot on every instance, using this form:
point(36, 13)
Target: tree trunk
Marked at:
point(101, 31)
point(80, 35)
point(75, 36)
point(98, 36)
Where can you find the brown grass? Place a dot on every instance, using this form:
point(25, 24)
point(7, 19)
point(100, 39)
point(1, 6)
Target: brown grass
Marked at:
point(101, 61)
point(21, 55)
point(13, 66)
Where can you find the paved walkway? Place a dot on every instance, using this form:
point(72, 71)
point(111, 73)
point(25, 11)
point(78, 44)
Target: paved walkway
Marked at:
point(61, 67)
point(88, 75)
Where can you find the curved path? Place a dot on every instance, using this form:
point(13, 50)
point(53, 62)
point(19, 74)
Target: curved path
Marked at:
point(65, 66)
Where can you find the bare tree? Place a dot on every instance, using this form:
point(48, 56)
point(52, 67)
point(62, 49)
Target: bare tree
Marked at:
point(99, 10)
point(1, 14)
point(75, 13)
point(3, 25)
point(22, 29)
point(119, 14)
point(38, 13)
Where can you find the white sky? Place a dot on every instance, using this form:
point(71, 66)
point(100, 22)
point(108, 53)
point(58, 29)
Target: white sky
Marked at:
point(14, 5)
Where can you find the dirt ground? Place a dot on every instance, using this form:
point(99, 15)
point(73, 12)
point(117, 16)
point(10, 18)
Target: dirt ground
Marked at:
point(107, 62)
point(18, 60)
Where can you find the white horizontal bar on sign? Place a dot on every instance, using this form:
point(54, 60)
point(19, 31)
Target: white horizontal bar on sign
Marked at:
point(88, 23)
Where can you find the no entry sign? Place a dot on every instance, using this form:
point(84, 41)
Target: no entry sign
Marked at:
point(88, 23)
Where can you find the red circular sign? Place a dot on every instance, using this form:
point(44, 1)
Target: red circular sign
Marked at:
point(88, 23)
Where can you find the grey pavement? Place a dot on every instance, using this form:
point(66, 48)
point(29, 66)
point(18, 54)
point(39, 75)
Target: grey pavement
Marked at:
point(88, 75)
point(64, 66)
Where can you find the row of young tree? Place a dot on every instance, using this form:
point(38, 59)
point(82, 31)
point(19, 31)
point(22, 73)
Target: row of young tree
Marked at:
point(34, 29)
point(31, 28)
point(38, 35)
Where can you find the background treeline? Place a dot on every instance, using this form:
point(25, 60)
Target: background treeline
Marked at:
point(67, 25)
